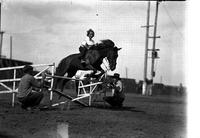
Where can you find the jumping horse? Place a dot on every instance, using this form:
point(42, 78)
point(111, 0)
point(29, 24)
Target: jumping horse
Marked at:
point(94, 58)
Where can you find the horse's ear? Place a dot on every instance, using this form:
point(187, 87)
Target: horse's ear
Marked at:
point(119, 49)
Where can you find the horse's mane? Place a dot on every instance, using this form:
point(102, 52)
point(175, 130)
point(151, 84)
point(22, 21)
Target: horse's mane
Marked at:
point(107, 43)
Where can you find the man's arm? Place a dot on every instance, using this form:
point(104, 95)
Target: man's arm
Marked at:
point(36, 83)
point(118, 86)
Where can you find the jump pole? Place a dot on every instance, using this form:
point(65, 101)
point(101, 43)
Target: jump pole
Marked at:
point(63, 77)
point(52, 80)
point(14, 84)
point(91, 86)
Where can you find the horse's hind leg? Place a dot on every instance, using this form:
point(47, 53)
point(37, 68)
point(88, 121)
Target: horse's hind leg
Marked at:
point(58, 82)
point(76, 86)
point(64, 81)
point(55, 82)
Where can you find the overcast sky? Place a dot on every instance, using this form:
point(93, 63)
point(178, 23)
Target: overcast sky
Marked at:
point(45, 31)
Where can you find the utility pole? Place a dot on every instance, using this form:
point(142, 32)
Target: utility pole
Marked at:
point(126, 72)
point(144, 87)
point(10, 47)
point(1, 33)
point(154, 51)
point(161, 79)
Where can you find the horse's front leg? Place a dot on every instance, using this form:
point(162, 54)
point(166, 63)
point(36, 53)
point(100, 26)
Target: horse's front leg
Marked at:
point(101, 72)
point(90, 67)
point(56, 83)
point(62, 86)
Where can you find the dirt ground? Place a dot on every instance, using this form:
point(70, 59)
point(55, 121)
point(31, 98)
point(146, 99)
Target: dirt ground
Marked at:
point(141, 117)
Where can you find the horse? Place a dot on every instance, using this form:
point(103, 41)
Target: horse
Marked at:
point(94, 58)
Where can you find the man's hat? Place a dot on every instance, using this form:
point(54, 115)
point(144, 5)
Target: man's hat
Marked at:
point(27, 68)
point(116, 75)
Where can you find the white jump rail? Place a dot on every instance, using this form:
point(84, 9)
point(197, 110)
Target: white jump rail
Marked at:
point(13, 90)
point(92, 86)
point(81, 95)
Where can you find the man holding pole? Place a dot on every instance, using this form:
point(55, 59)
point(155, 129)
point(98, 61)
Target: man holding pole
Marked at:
point(29, 93)
point(117, 99)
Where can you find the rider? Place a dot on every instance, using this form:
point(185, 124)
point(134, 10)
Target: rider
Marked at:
point(86, 44)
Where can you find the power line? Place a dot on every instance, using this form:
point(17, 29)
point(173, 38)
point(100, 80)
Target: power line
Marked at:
point(173, 22)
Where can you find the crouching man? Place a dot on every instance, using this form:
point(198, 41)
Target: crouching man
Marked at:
point(29, 93)
point(117, 99)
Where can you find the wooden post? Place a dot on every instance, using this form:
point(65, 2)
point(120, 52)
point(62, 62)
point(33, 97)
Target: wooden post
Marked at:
point(10, 47)
point(154, 45)
point(1, 33)
point(14, 85)
point(126, 72)
point(146, 50)
point(52, 81)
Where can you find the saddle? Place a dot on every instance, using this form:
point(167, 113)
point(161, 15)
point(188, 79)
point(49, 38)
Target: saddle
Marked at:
point(89, 56)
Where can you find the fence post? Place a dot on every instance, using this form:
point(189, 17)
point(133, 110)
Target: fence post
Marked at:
point(13, 79)
point(14, 85)
point(90, 97)
point(52, 73)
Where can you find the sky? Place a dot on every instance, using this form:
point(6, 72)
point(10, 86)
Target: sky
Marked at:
point(45, 31)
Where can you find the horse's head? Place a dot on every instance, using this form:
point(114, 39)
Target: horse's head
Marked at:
point(112, 56)
point(108, 49)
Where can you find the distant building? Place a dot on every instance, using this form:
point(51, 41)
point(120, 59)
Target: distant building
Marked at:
point(2, 56)
point(4, 62)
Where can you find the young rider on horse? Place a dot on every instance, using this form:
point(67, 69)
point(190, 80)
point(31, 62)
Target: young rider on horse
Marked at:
point(86, 44)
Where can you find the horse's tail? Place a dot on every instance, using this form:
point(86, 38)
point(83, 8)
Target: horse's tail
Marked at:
point(61, 70)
